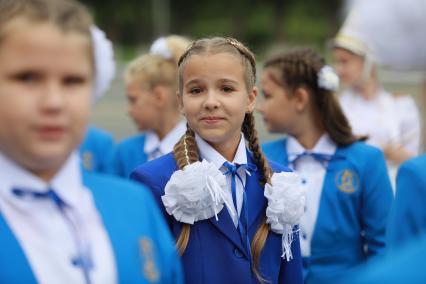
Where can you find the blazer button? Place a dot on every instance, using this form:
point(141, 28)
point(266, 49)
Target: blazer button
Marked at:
point(238, 253)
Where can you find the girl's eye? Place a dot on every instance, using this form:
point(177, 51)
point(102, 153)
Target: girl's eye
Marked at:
point(74, 80)
point(227, 89)
point(27, 77)
point(266, 95)
point(195, 91)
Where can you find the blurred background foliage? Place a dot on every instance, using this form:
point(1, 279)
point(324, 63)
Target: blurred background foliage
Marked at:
point(258, 23)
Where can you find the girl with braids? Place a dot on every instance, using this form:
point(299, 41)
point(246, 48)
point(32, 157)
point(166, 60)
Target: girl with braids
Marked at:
point(215, 188)
point(348, 188)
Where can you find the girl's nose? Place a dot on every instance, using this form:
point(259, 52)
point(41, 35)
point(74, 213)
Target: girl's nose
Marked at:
point(211, 101)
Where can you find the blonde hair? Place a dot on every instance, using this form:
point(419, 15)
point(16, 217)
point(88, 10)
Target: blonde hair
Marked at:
point(177, 46)
point(154, 69)
point(186, 150)
point(68, 15)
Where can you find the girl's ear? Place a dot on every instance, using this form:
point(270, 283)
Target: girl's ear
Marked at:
point(301, 96)
point(161, 95)
point(252, 99)
point(180, 102)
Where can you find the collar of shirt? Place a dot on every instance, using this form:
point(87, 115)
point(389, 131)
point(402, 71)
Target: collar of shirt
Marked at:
point(323, 146)
point(210, 154)
point(67, 183)
point(166, 145)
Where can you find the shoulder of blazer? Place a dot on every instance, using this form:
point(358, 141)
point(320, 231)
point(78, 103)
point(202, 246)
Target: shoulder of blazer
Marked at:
point(414, 167)
point(360, 154)
point(136, 141)
point(274, 145)
point(156, 173)
point(116, 189)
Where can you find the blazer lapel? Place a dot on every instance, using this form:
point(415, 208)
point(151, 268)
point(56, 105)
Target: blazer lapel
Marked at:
point(255, 194)
point(227, 227)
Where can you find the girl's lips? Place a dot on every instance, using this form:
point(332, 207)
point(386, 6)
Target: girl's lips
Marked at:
point(51, 132)
point(211, 119)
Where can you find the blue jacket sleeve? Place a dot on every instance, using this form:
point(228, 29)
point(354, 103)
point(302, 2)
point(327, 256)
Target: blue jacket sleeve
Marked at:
point(376, 202)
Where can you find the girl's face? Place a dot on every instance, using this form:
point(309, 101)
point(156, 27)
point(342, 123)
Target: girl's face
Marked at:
point(278, 109)
point(141, 105)
point(214, 97)
point(349, 66)
point(45, 94)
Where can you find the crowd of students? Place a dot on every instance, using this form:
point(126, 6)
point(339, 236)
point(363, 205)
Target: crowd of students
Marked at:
point(195, 197)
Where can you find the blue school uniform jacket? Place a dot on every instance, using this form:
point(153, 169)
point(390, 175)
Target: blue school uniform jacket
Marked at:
point(215, 253)
point(403, 265)
point(126, 156)
point(94, 149)
point(353, 211)
point(129, 215)
point(408, 215)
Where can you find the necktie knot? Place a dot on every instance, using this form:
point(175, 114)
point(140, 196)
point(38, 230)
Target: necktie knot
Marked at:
point(323, 159)
point(231, 168)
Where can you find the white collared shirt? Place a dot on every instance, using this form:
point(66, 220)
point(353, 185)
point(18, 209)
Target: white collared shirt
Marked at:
point(312, 173)
point(155, 148)
point(385, 119)
point(43, 232)
point(208, 153)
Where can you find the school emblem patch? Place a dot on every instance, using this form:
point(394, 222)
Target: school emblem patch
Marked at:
point(149, 268)
point(347, 181)
point(87, 159)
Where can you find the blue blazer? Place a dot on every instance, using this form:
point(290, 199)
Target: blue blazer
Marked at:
point(215, 253)
point(403, 265)
point(126, 156)
point(94, 148)
point(130, 216)
point(353, 211)
point(408, 215)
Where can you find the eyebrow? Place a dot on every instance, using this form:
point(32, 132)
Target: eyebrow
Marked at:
point(223, 80)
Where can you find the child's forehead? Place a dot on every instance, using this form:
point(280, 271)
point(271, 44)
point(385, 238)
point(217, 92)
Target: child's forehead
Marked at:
point(43, 46)
point(21, 28)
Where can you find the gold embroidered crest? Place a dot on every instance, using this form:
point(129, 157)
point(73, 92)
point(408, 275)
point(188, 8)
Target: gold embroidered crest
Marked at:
point(87, 159)
point(149, 268)
point(347, 181)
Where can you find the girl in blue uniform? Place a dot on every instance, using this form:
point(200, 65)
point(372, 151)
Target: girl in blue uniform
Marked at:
point(407, 220)
point(348, 188)
point(59, 223)
point(151, 87)
point(212, 188)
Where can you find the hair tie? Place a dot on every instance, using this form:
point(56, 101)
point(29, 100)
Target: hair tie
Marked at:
point(328, 79)
point(160, 47)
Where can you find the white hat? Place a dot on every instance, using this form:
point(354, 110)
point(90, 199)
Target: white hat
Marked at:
point(350, 38)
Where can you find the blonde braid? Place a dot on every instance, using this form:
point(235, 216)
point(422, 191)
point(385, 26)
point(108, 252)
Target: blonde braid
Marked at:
point(185, 153)
point(261, 235)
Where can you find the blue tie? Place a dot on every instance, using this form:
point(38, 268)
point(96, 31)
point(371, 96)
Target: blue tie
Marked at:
point(323, 159)
point(243, 218)
point(83, 259)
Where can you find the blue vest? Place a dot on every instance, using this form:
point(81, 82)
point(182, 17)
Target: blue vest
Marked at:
point(353, 211)
point(215, 252)
point(408, 215)
point(126, 156)
point(131, 220)
point(94, 149)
